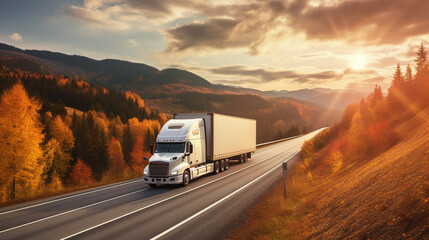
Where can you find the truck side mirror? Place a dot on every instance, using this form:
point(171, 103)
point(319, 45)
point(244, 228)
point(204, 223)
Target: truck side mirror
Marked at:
point(152, 148)
point(189, 148)
point(145, 158)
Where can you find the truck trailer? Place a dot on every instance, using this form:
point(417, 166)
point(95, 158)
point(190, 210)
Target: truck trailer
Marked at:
point(195, 144)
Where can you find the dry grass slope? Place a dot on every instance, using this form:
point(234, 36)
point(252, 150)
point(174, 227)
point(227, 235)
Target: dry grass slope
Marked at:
point(386, 197)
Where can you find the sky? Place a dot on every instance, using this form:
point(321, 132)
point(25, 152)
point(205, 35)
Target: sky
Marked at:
point(265, 45)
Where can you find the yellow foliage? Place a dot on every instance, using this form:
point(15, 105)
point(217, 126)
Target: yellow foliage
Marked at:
point(116, 158)
point(135, 97)
point(336, 161)
point(62, 133)
point(20, 139)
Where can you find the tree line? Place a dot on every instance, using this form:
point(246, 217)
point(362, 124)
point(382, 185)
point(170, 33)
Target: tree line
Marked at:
point(367, 128)
point(44, 147)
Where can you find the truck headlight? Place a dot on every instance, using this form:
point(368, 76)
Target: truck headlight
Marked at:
point(174, 172)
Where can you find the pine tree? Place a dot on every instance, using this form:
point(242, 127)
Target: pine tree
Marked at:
point(408, 75)
point(20, 139)
point(396, 88)
point(398, 79)
point(422, 62)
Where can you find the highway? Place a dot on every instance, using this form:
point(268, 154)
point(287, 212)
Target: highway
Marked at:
point(205, 209)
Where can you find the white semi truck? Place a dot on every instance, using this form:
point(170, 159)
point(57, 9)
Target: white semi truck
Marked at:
point(194, 144)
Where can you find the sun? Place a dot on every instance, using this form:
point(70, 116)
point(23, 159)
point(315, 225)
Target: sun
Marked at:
point(358, 61)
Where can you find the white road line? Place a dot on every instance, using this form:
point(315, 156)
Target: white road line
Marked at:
point(77, 195)
point(70, 211)
point(219, 201)
point(166, 199)
point(64, 198)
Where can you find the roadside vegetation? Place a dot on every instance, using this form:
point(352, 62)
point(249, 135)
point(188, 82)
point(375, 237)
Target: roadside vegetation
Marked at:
point(47, 149)
point(364, 178)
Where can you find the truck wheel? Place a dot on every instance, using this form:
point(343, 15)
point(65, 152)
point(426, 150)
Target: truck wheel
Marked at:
point(226, 164)
point(216, 167)
point(186, 178)
point(241, 159)
point(152, 185)
point(245, 158)
point(222, 165)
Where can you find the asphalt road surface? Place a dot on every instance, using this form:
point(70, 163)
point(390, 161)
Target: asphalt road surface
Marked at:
point(204, 209)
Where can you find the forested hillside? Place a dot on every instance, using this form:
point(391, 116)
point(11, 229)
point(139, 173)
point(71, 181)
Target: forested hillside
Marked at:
point(366, 177)
point(169, 91)
point(58, 132)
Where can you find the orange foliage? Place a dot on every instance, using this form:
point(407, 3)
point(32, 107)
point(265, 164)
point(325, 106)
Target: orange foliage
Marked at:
point(135, 97)
point(20, 138)
point(81, 174)
point(63, 81)
point(137, 163)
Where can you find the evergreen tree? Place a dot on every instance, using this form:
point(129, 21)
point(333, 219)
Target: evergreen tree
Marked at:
point(395, 90)
point(408, 75)
point(421, 62)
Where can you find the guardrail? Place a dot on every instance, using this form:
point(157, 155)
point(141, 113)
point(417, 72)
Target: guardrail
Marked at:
point(280, 140)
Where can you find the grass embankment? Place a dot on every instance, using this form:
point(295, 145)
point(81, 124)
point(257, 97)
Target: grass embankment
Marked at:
point(51, 192)
point(382, 197)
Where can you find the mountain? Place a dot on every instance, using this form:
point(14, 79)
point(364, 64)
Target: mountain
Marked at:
point(173, 90)
point(151, 82)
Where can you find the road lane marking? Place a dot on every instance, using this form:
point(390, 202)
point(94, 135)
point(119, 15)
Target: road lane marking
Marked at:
point(77, 195)
point(219, 201)
point(70, 211)
point(85, 193)
point(107, 200)
point(166, 199)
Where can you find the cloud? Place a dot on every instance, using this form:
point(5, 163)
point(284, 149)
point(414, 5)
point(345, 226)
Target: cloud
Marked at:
point(133, 42)
point(99, 17)
point(229, 26)
point(259, 75)
point(214, 25)
point(214, 33)
point(16, 37)
point(368, 22)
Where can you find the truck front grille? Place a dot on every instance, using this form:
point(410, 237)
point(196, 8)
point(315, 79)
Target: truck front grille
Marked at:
point(158, 169)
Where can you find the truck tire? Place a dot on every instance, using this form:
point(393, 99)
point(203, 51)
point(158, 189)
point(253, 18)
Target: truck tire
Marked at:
point(186, 178)
point(226, 164)
point(152, 185)
point(216, 167)
point(222, 165)
point(241, 159)
point(245, 158)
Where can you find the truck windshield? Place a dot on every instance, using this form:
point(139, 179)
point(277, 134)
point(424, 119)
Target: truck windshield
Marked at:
point(170, 147)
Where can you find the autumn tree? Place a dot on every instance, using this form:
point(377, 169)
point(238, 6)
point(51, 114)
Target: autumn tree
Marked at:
point(81, 174)
point(136, 161)
point(20, 139)
point(62, 155)
point(128, 143)
point(116, 158)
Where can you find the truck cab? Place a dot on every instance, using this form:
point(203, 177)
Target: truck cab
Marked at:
point(179, 147)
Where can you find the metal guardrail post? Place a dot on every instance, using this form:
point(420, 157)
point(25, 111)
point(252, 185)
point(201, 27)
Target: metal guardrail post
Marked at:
point(284, 167)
